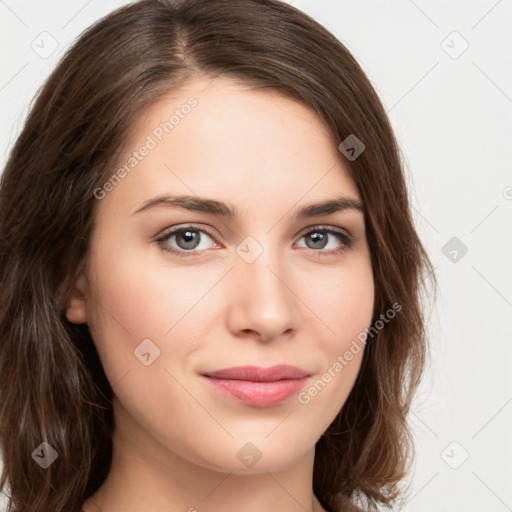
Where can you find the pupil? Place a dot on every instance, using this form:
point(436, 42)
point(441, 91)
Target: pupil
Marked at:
point(318, 239)
point(190, 238)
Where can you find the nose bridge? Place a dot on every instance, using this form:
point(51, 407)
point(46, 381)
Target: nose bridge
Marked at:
point(263, 299)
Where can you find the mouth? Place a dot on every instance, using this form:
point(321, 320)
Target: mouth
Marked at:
point(260, 387)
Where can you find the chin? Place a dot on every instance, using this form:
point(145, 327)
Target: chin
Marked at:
point(258, 455)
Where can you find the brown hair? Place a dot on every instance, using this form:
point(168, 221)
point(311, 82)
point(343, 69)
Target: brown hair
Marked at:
point(52, 385)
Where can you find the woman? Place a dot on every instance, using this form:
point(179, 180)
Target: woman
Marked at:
point(210, 278)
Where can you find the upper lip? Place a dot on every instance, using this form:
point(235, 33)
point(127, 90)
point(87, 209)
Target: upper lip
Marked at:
point(258, 374)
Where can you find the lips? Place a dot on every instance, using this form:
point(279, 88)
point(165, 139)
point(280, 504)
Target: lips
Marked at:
point(256, 374)
point(260, 387)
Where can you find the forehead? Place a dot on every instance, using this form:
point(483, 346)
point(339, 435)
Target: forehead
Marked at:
point(225, 140)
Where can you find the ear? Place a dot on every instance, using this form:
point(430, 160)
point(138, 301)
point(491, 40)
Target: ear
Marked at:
point(75, 306)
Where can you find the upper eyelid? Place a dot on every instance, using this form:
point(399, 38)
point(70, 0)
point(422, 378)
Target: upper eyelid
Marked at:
point(173, 230)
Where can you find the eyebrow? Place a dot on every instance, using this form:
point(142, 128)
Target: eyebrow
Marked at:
point(213, 207)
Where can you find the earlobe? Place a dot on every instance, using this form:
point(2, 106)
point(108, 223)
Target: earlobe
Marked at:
point(75, 307)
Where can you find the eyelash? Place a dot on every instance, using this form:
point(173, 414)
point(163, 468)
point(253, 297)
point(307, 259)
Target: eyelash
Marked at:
point(345, 239)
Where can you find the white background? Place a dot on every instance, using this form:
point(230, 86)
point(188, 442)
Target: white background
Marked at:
point(453, 117)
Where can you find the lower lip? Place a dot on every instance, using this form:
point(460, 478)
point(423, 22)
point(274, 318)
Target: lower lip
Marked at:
point(259, 394)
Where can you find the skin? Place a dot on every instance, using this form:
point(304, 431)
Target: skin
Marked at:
point(176, 438)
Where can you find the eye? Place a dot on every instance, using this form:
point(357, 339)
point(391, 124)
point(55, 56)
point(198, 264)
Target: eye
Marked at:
point(188, 239)
point(317, 239)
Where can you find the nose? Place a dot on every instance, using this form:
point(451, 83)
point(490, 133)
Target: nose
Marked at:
point(262, 302)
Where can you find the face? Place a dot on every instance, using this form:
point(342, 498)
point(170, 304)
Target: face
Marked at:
point(177, 290)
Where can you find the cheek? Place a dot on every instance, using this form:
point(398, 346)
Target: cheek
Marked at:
point(346, 307)
point(345, 311)
point(135, 301)
point(343, 301)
